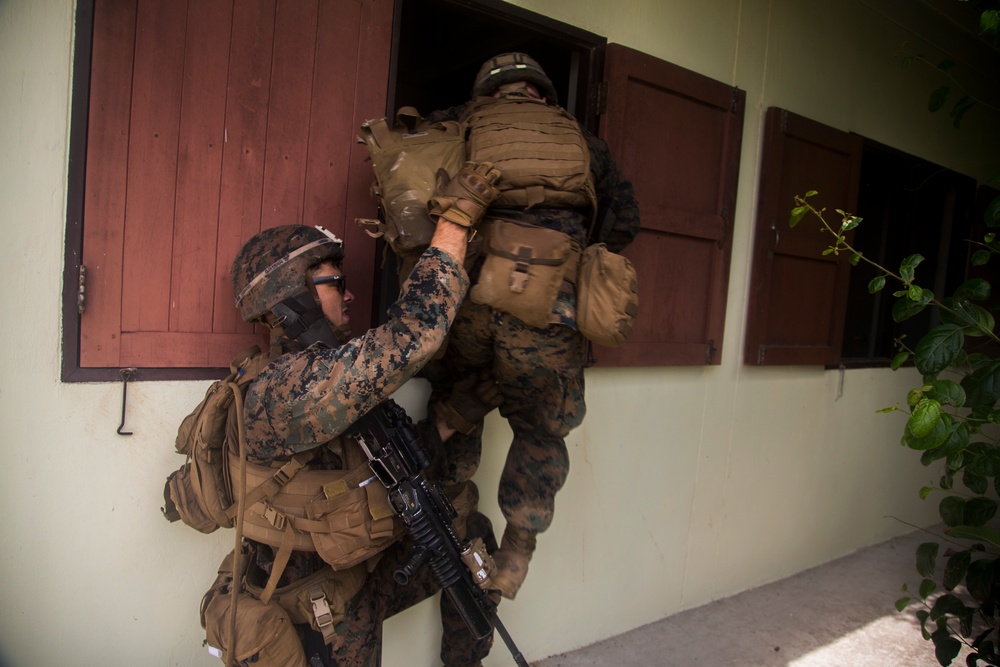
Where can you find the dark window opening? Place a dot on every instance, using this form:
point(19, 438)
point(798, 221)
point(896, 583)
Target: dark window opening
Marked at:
point(910, 206)
point(439, 45)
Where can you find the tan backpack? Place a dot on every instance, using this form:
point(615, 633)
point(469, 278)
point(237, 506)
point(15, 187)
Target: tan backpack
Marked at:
point(198, 493)
point(406, 156)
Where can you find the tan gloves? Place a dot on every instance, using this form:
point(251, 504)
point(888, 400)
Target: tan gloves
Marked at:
point(463, 199)
point(471, 399)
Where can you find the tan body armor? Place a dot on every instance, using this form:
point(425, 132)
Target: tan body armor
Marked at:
point(539, 149)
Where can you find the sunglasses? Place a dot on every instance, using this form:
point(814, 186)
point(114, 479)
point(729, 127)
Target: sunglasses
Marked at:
point(340, 282)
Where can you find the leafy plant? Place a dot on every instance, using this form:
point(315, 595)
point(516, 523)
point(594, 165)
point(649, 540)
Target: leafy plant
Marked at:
point(952, 421)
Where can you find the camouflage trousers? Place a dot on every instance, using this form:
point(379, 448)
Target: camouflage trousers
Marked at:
point(359, 636)
point(540, 374)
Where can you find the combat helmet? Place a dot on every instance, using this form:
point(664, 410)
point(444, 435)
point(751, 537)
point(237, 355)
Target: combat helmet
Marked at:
point(271, 267)
point(511, 67)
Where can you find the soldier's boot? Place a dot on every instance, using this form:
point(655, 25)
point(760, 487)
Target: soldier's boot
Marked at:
point(512, 560)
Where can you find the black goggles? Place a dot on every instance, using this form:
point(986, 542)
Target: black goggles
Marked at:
point(340, 282)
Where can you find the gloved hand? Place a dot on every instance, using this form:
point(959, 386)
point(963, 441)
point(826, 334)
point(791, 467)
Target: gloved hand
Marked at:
point(465, 198)
point(471, 399)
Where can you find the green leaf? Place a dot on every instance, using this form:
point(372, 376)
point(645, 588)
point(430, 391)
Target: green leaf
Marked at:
point(927, 587)
point(938, 349)
point(978, 511)
point(902, 603)
point(907, 269)
point(899, 360)
point(855, 258)
point(952, 510)
point(976, 289)
point(938, 98)
point(982, 386)
point(876, 284)
point(927, 558)
point(960, 108)
point(935, 438)
point(946, 392)
point(811, 193)
point(992, 214)
point(797, 214)
point(979, 533)
point(914, 293)
point(925, 491)
point(906, 308)
point(947, 604)
point(924, 418)
point(955, 569)
point(989, 22)
point(977, 484)
point(922, 616)
point(980, 257)
point(979, 581)
point(946, 647)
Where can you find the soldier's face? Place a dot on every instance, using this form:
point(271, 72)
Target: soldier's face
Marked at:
point(334, 302)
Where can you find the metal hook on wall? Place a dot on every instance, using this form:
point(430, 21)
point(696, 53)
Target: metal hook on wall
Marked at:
point(126, 375)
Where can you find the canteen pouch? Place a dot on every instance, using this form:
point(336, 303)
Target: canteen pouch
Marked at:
point(265, 635)
point(607, 296)
point(524, 270)
point(319, 599)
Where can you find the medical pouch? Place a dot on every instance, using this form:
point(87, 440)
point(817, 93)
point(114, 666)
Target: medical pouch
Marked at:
point(607, 295)
point(524, 270)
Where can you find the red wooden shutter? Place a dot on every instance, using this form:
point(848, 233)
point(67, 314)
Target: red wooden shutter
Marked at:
point(797, 295)
point(209, 121)
point(676, 135)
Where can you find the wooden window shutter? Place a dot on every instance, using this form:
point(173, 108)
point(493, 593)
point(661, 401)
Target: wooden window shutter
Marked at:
point(797, 295)
point(676, 135)
point(210, 120)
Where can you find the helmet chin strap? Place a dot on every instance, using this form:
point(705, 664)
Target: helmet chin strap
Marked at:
point(302, 320)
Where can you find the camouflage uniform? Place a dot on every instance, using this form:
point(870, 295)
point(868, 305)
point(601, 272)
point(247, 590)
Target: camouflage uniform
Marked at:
point(539, 370)
point(307, 397)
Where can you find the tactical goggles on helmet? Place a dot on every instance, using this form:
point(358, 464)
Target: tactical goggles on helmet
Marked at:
point(340, 282)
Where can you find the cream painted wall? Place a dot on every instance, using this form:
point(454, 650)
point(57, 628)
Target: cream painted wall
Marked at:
point(687, 484)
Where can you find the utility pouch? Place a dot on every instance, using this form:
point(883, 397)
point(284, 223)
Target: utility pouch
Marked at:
point(344, 515)
point(265, 635)
point(607, 296)
point(357, 524)
point(524, 270)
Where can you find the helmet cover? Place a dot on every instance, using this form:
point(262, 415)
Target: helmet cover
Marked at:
point(511, 67)
point(273, 265)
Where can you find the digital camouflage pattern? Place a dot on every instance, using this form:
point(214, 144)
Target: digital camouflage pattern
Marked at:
point(360, 634)
point(272, 266)
point(539, 370)
point(540, 373)
point(305, 399)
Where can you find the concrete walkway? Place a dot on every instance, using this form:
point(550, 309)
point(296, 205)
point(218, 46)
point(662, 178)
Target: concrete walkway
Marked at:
point(838, 614)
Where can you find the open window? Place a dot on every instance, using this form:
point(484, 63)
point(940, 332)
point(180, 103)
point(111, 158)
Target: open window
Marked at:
point(810, 308)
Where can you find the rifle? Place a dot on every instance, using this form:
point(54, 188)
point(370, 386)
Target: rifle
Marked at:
point(461, 568)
